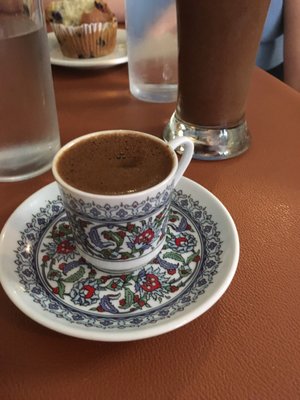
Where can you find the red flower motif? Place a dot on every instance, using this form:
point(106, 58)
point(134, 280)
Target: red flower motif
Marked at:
point(130, 227)
point(104, 279)
point(55, 290)
point(65, 247)
point(145, 237)
point(45, 258)
point(171, 271)
point(61, 266)
point(180, 240)
point(100, 308)
point(122, 302)
point(53, 274)
point(89, 291)
point(152, 283)
point(141, 303)
point(197, 259)
point(174, 289)
point(138, 300)
point(159, 216)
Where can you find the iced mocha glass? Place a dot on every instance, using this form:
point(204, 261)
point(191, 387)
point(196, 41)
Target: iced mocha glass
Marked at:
point(217, 41)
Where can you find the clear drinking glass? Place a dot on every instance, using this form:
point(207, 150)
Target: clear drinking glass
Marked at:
point(217, 43)
point(29, 134)
point(152, 49)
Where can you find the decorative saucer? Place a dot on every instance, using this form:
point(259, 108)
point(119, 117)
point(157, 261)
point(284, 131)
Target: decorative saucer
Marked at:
point(118, 56)
point(46, 278)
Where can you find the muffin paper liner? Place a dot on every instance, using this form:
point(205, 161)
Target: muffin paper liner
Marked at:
point(86, 40)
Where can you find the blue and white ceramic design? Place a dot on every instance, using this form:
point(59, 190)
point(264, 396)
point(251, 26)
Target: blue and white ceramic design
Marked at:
point(44, 275)
point(120, 232)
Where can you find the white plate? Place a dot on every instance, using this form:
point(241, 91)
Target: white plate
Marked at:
point(44, 276)
point(118, 56)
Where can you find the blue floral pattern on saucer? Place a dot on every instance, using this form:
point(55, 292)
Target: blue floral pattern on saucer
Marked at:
point(54, 274)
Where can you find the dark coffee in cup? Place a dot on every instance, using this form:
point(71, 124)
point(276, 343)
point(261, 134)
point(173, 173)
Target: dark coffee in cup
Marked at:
point(116, 164)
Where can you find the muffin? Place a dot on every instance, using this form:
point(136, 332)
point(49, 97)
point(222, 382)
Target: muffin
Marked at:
point(83, 28)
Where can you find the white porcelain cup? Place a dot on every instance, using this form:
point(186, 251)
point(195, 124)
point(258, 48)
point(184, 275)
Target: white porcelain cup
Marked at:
point(120, 233)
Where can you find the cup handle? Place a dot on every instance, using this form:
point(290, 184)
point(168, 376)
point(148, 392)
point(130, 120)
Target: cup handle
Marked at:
point(186, 157)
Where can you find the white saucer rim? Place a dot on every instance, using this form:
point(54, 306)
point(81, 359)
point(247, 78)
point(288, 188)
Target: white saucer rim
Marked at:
point(91, 63)
point(179, 319)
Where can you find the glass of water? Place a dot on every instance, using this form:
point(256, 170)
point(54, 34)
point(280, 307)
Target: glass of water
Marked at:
point(29, 134)
point(152, 49)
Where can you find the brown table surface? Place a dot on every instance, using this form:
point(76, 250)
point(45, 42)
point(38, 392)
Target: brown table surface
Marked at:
point(247, 345)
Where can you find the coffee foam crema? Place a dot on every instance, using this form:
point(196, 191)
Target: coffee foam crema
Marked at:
point(116, 163)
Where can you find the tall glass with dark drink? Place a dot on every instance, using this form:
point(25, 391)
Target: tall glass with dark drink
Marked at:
point(217, 41)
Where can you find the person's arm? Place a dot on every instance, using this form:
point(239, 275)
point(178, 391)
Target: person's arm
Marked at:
point(46, 3)
point(14, 6)
point(292, 43)
point(166, 23)
point(118, 8)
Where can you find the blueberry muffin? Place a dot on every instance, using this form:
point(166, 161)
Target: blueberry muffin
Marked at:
point(83, 28)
